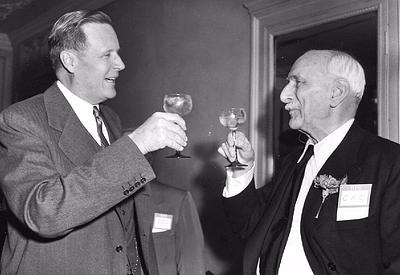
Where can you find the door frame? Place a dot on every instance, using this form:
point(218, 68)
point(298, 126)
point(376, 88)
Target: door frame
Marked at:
point(273, 18)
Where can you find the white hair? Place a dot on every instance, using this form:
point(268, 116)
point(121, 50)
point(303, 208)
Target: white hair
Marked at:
point(345, 66)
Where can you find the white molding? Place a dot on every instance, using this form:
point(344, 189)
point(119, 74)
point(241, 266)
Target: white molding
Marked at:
point(47, 19)
point(388, 112)
point(277, 17)
point(5, 43)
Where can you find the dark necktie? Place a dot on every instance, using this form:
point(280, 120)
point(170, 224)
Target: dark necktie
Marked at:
point(297, 180)
point(276, 242)
point(298, 174)
point(99, 123)
point(301, 166)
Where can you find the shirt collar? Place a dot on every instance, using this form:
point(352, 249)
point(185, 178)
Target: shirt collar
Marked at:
point(79, 105)
point(324, 148)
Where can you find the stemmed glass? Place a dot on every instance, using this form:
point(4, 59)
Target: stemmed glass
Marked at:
point(180, 104)
point(232, 118)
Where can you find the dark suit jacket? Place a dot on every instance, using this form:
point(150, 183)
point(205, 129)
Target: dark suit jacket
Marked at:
point(179, 250)
point(69, 200)
point(362, 246)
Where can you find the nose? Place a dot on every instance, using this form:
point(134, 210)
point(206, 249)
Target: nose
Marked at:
point(287, 93)
point(118, 63)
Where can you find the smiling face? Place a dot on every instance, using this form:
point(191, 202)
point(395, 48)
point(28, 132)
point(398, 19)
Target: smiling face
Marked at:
point(307, 95)
point(97, 66)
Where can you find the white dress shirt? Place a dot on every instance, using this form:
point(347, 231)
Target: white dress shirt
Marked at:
point(84, 111)
point(294, 258)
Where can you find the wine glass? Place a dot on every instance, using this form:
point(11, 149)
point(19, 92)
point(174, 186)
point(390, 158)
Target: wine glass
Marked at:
point(180, 104)
point(232, 118)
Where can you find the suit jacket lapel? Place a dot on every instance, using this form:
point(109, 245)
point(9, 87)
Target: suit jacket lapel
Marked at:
point(273, 222)
point(111, 124)
point(344, 161)
point(75, 141)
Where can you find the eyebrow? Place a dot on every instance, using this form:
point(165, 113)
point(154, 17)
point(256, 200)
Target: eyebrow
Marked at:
point(108, 50)
point(291, 77)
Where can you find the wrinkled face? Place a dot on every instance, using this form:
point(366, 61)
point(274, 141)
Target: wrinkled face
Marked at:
point(98, 65)
point(306, 95)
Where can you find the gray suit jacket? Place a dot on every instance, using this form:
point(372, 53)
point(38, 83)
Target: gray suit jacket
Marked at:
point(68, 199)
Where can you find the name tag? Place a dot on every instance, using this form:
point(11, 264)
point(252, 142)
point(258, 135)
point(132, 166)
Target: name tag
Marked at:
point(162, 222)
point(353, 201)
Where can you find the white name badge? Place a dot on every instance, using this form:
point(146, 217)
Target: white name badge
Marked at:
point(353, 201)
point(162, 222)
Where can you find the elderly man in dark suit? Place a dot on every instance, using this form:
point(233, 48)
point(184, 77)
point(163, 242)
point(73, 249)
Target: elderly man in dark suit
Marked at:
point(333, 207)
point(77, 191)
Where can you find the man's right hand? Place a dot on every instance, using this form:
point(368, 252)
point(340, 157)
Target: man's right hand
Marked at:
point(245, 151)
point(159, 131)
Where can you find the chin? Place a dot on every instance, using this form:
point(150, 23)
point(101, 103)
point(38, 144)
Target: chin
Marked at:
point(111, 94)
point(294, 124)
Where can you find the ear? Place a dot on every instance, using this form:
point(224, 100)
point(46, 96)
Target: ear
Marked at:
point(340, 90)
point(68, 60)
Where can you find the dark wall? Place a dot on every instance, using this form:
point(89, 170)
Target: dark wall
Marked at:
point(201, 47)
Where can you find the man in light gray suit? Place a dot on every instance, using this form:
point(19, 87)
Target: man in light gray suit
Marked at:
point(77, 191)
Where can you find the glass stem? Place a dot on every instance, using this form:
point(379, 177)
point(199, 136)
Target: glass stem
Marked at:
point(234, 144)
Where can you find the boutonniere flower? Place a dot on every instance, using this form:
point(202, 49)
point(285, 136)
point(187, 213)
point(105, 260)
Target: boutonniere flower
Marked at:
point(329, 185)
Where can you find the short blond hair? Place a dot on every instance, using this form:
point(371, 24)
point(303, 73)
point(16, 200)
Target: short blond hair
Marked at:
point(67, 32)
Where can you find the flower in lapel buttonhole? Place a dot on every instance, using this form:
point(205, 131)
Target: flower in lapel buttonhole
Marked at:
point(329, 185)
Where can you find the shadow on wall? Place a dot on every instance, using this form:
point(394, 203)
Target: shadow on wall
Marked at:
point(225, 248)
point(32, 69)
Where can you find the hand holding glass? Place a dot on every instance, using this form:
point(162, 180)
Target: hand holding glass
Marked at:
point(232, 118)
point(180, 104)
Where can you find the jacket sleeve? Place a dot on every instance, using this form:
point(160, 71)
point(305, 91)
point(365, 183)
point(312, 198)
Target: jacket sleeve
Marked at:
point(245, 210)
point(190, 242)
point(51, 201)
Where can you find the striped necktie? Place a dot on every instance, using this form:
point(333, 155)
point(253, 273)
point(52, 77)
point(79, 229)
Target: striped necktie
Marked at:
point(99, 123)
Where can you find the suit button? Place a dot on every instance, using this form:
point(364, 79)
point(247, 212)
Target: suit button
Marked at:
point(126, 192)
point(123, 212)
point(142, 180)
point(386, 264)
point(118, 249)
point(332, 266)
point(137, 184)
point(131, 188)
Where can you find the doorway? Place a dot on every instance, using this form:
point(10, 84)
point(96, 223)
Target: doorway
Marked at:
point(283, 30)
point(356, 36)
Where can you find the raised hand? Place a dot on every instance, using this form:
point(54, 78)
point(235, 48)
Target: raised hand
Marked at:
point(160, 130)
point(245, 151)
